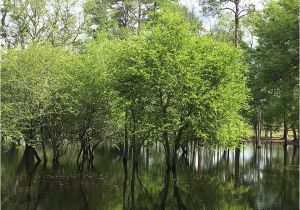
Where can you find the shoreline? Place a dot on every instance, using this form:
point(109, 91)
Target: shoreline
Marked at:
point(276, 140)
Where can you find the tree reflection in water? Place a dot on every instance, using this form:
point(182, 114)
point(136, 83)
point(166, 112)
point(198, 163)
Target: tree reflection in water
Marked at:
point(266, 178)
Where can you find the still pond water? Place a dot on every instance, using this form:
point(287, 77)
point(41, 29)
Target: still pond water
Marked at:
point(267, 179)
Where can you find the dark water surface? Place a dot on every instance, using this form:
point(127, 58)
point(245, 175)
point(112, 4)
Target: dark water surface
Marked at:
point(264, 179)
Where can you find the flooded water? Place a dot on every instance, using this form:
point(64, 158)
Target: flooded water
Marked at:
point(264, 179)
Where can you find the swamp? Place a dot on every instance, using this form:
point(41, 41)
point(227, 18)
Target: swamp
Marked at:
point(149, 104)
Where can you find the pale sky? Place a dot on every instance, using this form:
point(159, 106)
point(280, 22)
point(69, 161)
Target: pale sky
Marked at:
point(193, 6)
point(194, 3)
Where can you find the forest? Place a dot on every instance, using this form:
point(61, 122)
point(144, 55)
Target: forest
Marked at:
point(144, 87)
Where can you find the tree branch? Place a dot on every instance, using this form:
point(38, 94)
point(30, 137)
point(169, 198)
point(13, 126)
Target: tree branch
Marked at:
point(243, 15)
point(227, 8)
point(244, 10)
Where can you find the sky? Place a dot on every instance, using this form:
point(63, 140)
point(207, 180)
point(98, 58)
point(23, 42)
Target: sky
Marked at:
point(193, 6)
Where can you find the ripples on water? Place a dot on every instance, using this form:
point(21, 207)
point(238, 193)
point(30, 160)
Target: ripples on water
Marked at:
point(264, 179)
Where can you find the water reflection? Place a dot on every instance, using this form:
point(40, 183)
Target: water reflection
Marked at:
point(247, 178)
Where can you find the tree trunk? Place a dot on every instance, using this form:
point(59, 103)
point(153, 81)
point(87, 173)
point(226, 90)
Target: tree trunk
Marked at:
point(285, 130)
point(259, 128)
point(164, 193)
point(125, 152)
point(132, 183)
point(294, 154)
point(266, 132)
point(200, 158)
point(125, 182)
point(255, 133)
point(237, 167)
point(167, 150)
point(285, 155)
point(165, 133)
point(43, 145)
point(147, 158)
point(227, 160)
point(44, 151)
point(176, 147)
point(271, 134)
point(193, 153)
point(139, 15)
point(236, 23)
point(134, 160)
point(295, 134)
point(31, 150)
point(179, 200)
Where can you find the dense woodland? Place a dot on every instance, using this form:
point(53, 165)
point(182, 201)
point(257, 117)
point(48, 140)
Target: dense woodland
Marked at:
point(138, 73)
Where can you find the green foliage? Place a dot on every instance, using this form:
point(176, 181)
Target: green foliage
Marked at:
point(165, 79)
point(91, 97)
point(30, 79)
point(275, 62)
point(27, 21)
point(181, 80)
point(117, 18)
point(53, 92)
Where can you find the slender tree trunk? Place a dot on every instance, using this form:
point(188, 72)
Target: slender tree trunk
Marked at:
point(44, 151)
point(236, 23)
point(125, 182)
point(285, 154)
point(200, 158)
point(255, 132)
point(285, 130)
point(179, 200)
point(258, 164)
point(43, 145)
point(147, 157)
point(132, 183)
point(295, 134)
point(237, 167)
point(165, 133)
point(193, 153)
point(165, 190)
point(271, 151)
point(167, 150)
point(271, 134)
point(187, 150)
point(176, 147)
point(125, 152)
point(133, 175)
point(139, 15)
point(134, 161)
point(259, 128)
point(294, 154)
point(266, 132)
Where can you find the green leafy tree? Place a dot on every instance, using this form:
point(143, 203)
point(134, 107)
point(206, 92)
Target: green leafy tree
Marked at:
point(275, 62)
point(117, 18)
point(238, 8)
point(30, 78)
point(23, 22)
point(177, 81)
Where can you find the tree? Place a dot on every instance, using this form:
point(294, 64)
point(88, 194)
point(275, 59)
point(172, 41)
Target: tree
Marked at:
point(236, 7)
point(117, 18)
point(23, 22)
point(30, 79)
point(50, 93)
point(223, 29)
point(91, 100)
point(275, 61)
point(176, 81)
